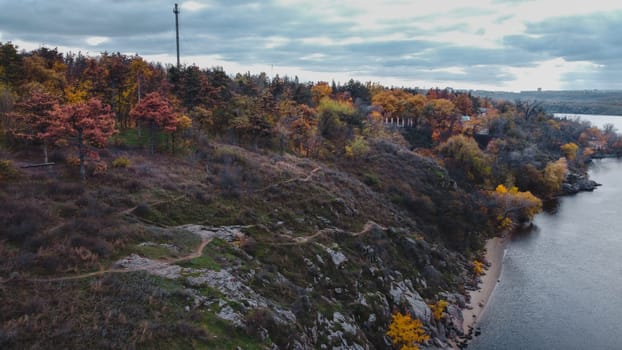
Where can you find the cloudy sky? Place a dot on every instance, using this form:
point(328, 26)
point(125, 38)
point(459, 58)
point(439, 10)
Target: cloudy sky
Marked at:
point(492, 44)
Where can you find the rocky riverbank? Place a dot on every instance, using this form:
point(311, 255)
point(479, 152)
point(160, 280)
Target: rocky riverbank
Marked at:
point(576, 182)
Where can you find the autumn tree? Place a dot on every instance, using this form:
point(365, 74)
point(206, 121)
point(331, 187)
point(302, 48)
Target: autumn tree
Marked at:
point(184, 123)
point(406, 332)
point(320, 91)
point(203, 117)
point(441, 115)
point(249, 119)
point(136, 82)
point(89, 124)
point(466, 160)
point(555, 174)
point(34, 117)
point(400, 104)
point(515, 206)
point(464, 104)
point(155, 110)
point(570, 150)
point(336, 122)
point(303, 130)
point(49, 75)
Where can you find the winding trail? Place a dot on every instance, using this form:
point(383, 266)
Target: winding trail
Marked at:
point(369, 225)
point(157, 263)
point(304, 179)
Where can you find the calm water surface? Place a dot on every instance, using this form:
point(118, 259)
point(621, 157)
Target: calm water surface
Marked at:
point(596, 120)
point(561, 284)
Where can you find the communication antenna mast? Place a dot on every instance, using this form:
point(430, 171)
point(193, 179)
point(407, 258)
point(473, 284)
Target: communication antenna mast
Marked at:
point(176, 12)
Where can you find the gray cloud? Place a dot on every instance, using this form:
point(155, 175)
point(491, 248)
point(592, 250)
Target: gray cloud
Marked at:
point(593, 38)
point(241, 32)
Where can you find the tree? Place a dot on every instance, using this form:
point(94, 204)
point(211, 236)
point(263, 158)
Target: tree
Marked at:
point(514, 205)
point(336, 122)
point(570, 150)
point(89, 123)
point(52, 78)
point(34, 117)
point(320, 91)
point(555, 174)
point(406, 332)
point(442, 117)
point(157, 111)
point(465, 159)
point(11, 65)
point(464, 104)
point(303, 130)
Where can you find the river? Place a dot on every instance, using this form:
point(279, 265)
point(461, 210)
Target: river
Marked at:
point(596, 120)
point(561, 283)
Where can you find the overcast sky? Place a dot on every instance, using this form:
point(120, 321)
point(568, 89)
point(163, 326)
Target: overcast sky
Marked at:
point(492, 44)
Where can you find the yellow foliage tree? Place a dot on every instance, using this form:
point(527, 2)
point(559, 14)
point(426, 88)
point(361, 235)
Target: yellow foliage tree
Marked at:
point(320, 91)
point(478, 267)
point(555, 173)
point(438, 309)
point(570, 150)
point(406, 332)
point(514, 204)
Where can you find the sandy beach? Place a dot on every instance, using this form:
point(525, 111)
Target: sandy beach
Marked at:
point(494, 254)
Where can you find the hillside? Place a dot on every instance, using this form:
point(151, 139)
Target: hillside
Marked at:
point(312, 253)
point(155, 207)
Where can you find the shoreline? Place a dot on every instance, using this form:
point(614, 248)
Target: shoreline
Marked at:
point(495, 250)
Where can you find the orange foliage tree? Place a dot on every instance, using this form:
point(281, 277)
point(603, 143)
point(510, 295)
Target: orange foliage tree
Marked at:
point(33, 118)
point(89, 123)
point(156, 110)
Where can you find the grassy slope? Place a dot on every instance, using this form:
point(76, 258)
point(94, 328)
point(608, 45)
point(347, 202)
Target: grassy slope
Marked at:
point(54, 225)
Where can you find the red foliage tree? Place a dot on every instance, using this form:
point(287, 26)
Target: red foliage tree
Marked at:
point(157, 111)
point(89, 123)
point(33, 117)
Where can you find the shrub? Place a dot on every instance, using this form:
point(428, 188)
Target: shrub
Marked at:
point(478, 267)
point(357, 148)
point(438, 309)
point(371, 179)
point(21, 219)
point(100, 168)
point(6, 170)
point(406, 332)
point(121, 162)
point(72, 161)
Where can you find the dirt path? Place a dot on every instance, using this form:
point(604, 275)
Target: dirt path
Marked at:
point(306, 239)
point(304, 179)
point(155, 264)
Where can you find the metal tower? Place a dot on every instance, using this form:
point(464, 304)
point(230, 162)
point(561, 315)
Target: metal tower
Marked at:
point(176, 12)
